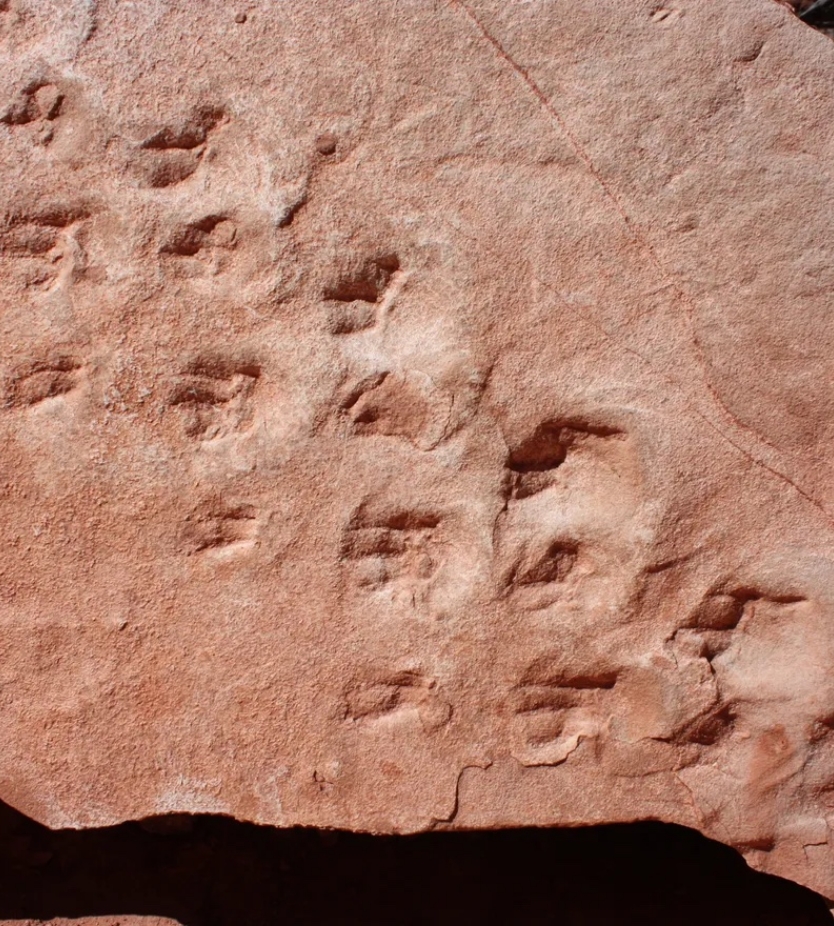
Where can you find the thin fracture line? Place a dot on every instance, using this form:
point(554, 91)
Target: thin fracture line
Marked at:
point(644, 243)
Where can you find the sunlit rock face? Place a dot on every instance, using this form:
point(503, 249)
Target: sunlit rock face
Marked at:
point(419, 415)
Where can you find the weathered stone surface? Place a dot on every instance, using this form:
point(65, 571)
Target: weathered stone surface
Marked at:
point(419, 415)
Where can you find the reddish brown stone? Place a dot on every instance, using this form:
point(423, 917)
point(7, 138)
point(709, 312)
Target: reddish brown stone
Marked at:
point(475, 471)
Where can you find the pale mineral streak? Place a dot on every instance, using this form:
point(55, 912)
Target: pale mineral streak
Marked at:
point(419, 414)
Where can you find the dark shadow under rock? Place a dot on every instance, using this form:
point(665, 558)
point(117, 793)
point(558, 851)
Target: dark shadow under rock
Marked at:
point(213, 871)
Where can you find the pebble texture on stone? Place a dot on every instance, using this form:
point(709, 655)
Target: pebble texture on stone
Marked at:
point(419, 415)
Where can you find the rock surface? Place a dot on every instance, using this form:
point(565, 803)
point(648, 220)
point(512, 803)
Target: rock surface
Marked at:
point(419, 415)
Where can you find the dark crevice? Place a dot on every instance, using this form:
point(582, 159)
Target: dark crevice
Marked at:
point(214, 871)
point(818, 14)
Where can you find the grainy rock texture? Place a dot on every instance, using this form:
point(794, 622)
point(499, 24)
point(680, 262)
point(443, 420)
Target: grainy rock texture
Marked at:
point(419, 414)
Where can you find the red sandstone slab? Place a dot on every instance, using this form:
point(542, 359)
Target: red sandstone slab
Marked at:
point(419, 415)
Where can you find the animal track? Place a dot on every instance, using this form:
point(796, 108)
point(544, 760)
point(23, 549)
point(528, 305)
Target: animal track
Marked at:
point(382, 695)
point(37, 105)
point(200, 247)
point(555, 708)
point(532, 464)
point(212, 231)
point(399, 405)
point(539, 581)
point(354, 299)
point(549, 673)
point(720, 613)
point(42, 245)
point(707, 633)
point(213, 397)
point(397, 548)
point(555, 566)
point(42, 381)
point(216, 526)
point(172, 153)
point(712, 727)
